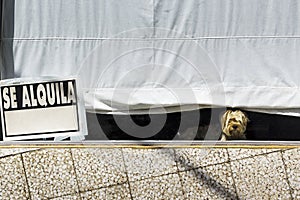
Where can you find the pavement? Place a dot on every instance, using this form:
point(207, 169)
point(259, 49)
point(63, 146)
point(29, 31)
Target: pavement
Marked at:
point(149, 173)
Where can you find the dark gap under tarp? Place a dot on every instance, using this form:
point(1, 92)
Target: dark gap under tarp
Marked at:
point(261, 127)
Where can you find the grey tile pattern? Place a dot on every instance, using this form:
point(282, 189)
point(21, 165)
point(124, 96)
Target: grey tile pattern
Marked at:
point(13, 151)
point(68, 197)
point(189, 158)
point(261, 177)
point(50, 173)
point(146, 163)
point(180, 173)
point(96, 168)
point(162, 187)
point(109, 193)
point(240, 153)
point(292, 163)
point(12, 179)
point(211, 182)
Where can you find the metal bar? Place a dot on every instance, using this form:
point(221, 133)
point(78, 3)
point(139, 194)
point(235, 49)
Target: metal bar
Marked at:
point(152, 144)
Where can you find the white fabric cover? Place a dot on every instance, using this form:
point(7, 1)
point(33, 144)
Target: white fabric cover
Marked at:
point(159, 53)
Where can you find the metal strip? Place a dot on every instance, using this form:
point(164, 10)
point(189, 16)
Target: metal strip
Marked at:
point(154, 144)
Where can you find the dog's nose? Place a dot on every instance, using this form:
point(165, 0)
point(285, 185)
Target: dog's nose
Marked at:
point(234, 126)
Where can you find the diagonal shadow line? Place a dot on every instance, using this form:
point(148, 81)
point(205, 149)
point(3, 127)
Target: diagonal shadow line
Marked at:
point(204, 177)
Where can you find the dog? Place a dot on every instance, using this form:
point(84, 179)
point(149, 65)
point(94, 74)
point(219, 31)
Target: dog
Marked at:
point(234, 125)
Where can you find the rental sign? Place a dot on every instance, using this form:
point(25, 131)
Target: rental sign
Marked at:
point(39, 109)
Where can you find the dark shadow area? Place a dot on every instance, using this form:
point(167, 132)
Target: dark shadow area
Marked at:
point(106, 124)
point(206, 179)
point(6, 43)
point(7, 35)
point(261, 127)
point(273, 127)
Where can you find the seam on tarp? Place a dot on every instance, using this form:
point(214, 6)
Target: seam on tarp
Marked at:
point(153, 38)
point(204, 88)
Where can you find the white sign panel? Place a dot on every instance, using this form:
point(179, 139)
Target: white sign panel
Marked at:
point(39, 110)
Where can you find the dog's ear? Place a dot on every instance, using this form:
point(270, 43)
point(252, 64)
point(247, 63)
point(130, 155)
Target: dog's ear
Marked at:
point(245, 119)
point(224, 117)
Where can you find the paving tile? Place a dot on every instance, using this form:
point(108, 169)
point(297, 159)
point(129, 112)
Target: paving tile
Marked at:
point(13, 151)
point(50, 173)
point(162, 187)
point(68, 197)
point(261, 177)
point(292, 163)
point(12, 178)
point(96, 168)
point(211, 182)
point(240, 153)
point(109, 193)
point(145, 163)
point(189, 158)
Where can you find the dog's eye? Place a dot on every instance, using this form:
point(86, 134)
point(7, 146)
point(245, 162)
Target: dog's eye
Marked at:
point(233, 120)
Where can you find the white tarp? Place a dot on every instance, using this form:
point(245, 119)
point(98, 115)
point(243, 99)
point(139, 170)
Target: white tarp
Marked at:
point(161, 53)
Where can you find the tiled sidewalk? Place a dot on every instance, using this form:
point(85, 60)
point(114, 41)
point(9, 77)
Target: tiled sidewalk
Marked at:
point(166, 173)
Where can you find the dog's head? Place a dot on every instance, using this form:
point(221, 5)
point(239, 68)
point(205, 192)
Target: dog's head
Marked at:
point(234, 124)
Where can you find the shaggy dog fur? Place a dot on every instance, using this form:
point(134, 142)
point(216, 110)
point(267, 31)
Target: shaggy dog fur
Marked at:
point(234, 125)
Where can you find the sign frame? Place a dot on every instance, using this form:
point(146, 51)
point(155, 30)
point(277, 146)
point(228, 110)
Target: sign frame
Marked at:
point(71, 107)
